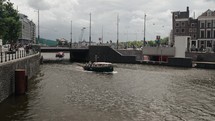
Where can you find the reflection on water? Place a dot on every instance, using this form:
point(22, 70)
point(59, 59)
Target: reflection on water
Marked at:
point(132, 93)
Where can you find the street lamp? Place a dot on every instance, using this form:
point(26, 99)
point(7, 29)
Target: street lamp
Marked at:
point(38, 26)
point(71, 34)
point(144, 38)
point(90, 31)
point(117, 42)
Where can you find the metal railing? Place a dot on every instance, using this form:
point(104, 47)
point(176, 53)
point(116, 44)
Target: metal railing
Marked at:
point(13, 55)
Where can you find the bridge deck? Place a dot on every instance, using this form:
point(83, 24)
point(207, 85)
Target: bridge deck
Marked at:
point(64, 49)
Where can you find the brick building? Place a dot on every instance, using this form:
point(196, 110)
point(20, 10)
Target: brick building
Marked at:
point(183, 25)
point(200, 30)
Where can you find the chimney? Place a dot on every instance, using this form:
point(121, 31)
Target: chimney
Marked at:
point(187, 8)
point(188, 12)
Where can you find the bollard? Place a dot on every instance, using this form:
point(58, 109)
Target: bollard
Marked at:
point(5, 54)
point(20, 81)
point(26, 83)
point(17, 54)
point(9, 57)
point(1, 57)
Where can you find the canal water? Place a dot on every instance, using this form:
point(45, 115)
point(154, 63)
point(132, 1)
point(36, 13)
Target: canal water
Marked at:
point(63, 91)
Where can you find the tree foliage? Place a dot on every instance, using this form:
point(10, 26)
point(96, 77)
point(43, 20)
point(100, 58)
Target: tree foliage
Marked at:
point(9, 22)
point(165, 41)
point(138, 44)
point(132, 44)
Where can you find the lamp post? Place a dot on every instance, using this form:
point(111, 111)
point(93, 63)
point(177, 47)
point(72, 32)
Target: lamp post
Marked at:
point(90, 31)
point(71, 35)
point(144, 38)
point(117, 31)
point(38, 38)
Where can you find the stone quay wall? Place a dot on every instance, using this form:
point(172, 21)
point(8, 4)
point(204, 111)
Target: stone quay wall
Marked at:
point(198, 56)
point(7, 73)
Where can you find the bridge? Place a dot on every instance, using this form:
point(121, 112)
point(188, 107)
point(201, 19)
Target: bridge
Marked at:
point(61, 49)
point(76, 54)
point(106, 53)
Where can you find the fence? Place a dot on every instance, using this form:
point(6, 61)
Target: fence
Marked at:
point(12, 55)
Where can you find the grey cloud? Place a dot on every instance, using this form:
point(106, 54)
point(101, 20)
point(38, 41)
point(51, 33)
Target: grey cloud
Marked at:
point(57, 15)
point(210, 0)
point(39, 4)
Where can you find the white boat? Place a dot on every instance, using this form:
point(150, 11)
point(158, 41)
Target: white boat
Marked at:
point(59, 54)
point(99, 67)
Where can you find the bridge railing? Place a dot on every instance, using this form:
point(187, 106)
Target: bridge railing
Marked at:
point(13, 55)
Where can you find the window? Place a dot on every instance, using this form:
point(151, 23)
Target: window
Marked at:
point(192, 25)
point(177, 30)
point(182, 24)
point(202, 25)
point(194, 30)
point(209, 13)
point(182, 30)
point(208, 34)
point(209, 44)
point(214, 33)
point(209, 24)
point(177, 24)
point(193, 43)
point(190, 30)
point(214, 23)
point(194, 36)
point(202, 34)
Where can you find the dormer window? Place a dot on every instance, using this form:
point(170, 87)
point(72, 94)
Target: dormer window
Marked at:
point(209, 13)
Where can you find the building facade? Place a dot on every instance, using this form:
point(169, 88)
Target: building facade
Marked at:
point(201, 30)
point(206, 37)
point(180, 21)
point(28, 30)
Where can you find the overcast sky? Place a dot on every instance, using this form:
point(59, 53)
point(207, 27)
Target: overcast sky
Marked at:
point(56, 17)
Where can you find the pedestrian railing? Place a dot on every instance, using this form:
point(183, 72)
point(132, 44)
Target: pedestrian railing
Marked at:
point(13, 55)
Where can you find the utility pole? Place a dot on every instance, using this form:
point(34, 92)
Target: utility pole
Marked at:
point(71, 35)
point(117, 31)
point(38, 26)
point(90, 31)
point(144, 38)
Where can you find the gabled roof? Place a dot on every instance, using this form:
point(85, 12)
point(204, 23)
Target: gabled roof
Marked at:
point(207, 14)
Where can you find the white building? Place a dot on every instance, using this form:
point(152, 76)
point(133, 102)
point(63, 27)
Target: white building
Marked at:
point(206, 22)
point(28, 30)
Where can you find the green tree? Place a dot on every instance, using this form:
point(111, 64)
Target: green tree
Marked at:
point(9, 22)
point(137, 44)
point(165, 41)
point(151, 43)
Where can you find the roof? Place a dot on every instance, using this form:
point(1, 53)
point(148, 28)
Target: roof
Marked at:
point(182, 14)
point(102, 63)
point(207, 14)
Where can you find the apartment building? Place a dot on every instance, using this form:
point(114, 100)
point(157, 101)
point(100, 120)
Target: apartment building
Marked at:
point(200, 30)
point(28, 30)
point(206, 36)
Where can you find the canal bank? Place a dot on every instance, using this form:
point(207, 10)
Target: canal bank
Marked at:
point(134, 92)
point(7, 73)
